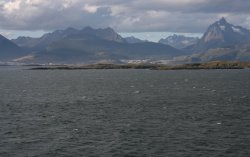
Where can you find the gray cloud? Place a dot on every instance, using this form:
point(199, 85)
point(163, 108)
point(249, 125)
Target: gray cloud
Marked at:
point(123, 15)
point(223, 6)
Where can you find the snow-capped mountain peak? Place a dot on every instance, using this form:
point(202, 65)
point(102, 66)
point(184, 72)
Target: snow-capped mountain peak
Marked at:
point(222, 31)
point(179, 41)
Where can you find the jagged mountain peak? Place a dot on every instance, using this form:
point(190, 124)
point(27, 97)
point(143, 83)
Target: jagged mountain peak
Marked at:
point(102, 33)
point(223, 32)
point(223, 21)
point(84, 34)
point(222, 25)
point(61, 32)
point(88, 28)
point(225, 26)
point(179, 41)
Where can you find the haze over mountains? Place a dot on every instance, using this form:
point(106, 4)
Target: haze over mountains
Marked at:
point(221, 41)
point(179, 41)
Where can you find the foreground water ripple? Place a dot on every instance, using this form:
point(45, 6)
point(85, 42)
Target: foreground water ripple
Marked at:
point(124, 113)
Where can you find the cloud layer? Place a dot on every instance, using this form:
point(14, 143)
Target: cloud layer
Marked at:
point(123, 15)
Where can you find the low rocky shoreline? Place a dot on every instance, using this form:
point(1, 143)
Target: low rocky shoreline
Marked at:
point(193, 66)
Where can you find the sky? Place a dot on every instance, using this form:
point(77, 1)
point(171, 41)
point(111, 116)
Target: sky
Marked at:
point(146, 19)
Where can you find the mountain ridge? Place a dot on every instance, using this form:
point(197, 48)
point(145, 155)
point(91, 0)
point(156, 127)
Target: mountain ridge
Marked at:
point(9, 50)
point(48, 38)
point(88, 45)
point(133, 40)
point(221, 41)
point(179, 41)
point(220, 34)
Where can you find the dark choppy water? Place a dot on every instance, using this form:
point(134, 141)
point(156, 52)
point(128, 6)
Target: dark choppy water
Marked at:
point(124, 113)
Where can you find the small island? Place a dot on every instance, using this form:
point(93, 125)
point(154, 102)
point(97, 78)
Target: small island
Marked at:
point(191, 66)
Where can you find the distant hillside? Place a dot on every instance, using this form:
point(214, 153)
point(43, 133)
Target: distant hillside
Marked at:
point(77, 50)
point(235, 53)
point(9, 50)
point(179, 41)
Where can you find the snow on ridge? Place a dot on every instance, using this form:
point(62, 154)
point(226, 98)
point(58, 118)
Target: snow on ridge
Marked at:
point(237, 30)
point(222, 27)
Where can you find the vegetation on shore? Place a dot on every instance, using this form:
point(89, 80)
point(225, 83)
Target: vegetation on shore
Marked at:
point(192, 66)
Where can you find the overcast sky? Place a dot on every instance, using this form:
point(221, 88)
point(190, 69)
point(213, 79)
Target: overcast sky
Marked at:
point(33, 17)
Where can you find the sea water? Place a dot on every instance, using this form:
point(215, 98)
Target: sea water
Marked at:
point(120, 113)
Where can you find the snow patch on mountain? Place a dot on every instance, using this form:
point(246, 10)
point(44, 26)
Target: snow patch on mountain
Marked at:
point(237, 30)
point(223, 28)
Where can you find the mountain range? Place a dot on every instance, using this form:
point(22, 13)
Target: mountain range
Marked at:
point(179, 41)
point(87, 33)
point(221, 41)
point(89, 45)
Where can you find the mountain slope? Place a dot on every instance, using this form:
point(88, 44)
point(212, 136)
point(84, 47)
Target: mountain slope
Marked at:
point(9, 50)
point(221, 34)
point(235, 53)
point(133, 40)
point(77, 50)
point(239, 52)
point(179, 41)
point(39, 44)
point(90, 45)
